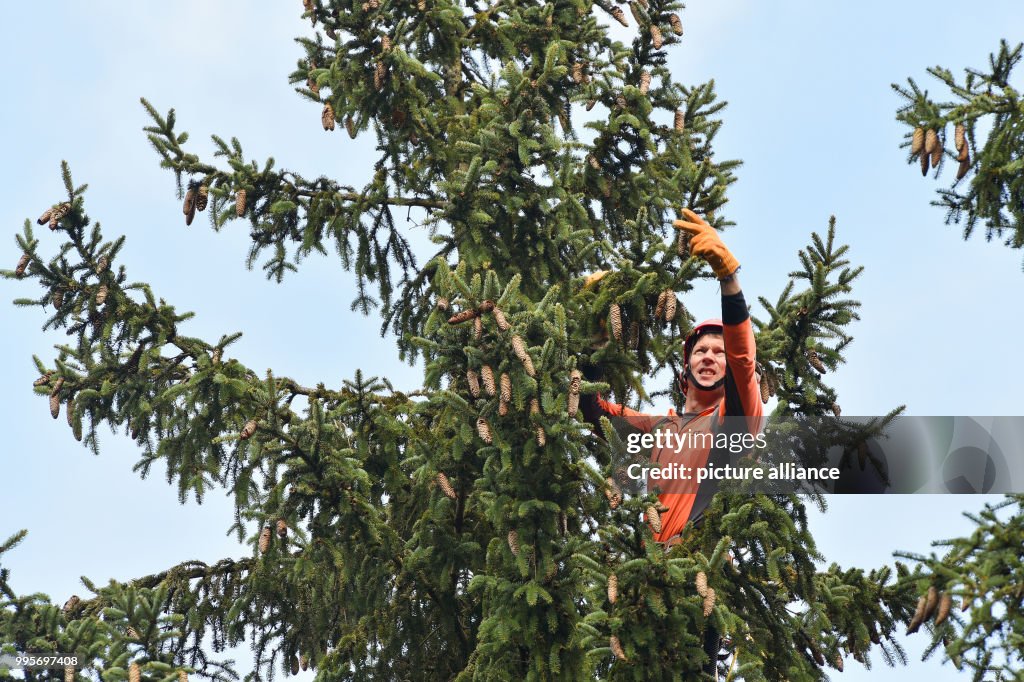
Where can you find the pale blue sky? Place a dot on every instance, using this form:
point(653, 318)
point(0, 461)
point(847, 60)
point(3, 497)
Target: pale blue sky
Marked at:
point(810, 113)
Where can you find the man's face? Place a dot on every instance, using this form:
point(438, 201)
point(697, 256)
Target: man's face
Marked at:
point(707, 361)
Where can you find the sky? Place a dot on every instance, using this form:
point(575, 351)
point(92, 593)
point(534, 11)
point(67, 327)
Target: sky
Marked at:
point(811, 114)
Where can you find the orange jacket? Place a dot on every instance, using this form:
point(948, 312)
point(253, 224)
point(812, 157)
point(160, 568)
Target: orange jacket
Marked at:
point(685, 499)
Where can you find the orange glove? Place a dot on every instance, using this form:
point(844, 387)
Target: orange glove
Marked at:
point(705, 242)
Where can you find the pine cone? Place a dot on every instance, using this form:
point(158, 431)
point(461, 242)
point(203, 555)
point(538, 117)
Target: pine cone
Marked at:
point(645, 82)
point(577, 72)
point(487, 375)
point(327, 116)
point(573, 404)
point(513, 542)
point(656, 38)
point(499, 319)
point(350, 127)
point(965, 165)
point(385, 43)
point(282, 529)
point(69, 410)
point(634, 335)
point(619, 16)
point(304, 662)
point(575, 378)
point(240, 203)
point(812, 357)
point(679, 123)
point(45, 217)
point(654, 518)
point(58, 298)
point(202, 197)
point(134, 674)
point(659, 307)
point(937, 156)
point(591, 103)
point(464, 316)
point(478, 328)
point(215, 356)
point(945, 604)
point(248, 429)
point(917, 141)
point(45, 379)
point(421, 5)
point(59, 384)
point(594, 163)
point(959, 137)
point(676, 23)
point(54, 405)
point(612, 492)
point(924, 164)
point(709, 602)
point(965, 604)
point(380, 73)
point(131, 632)
point(701, 583)
point(474, 383)
point(71, 604)
point(765, 392)
point(613, 588)
point(620, 101)
point(307, 5)
point(615, 321)
point(264, 541)
point(102, 263)
point(616, 646)
point(931, 601)
point(506, 388)
point(918, 618)
point(836, 410)
point(188, 207)
point(295, 665)
point(816, 654)
point(483, 429)
point(60, 211)
point(69, 673)
point(19, 269)
point(182, 676)
point(445, 485)
point(541, 436)
point(441, 304)
point(534, 406)
point(634, 9)
point(101, 294)
point(519, 348)
point(931, 141)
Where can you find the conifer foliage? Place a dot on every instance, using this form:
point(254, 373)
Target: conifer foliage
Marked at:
point(459, 530)
point(981, 131)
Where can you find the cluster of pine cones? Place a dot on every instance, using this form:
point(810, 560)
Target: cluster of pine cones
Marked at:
point(926, 145)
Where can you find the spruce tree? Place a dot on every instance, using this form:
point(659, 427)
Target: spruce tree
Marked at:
point(463, 529)
point(979, 131)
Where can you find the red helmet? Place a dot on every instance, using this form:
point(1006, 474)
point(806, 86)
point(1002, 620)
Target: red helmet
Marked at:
point(713, 326)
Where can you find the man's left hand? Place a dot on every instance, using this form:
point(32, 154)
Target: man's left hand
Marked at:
point(705, 242)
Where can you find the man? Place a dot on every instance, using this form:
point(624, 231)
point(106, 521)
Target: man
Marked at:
point(719, 380)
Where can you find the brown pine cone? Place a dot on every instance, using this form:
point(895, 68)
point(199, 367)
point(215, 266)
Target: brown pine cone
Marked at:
point(931, 602)
point(295, 665)
point(541, 436)
point(924, 163)
point(594, 163)
point(202, 197)
point(654, 518)
point(474, 383)
point(54, 406)
point(60, 211)
point(918, 618)
point(188, 207)
point(350, 127)
point(945, 604)
point(612, 492)
point(282, 529)
point(917, 141)
point(71, 604)
point(634, 8)
point(487, 376)
point(577, 72)
point(69, 673)
point(701, 583)
point(519, 348)
point(619, 16)
point(534, 406)
point(59, 384)
point(513, 542)
point(575, 378)
point(815, 361)
point(446, 486)
point(385, 43)
point(500, 320)
point(645, 82)
point(248, 429)
point(765, 393)
point(506, 388)
point(134, 674)
point(101, 294)
point(615, 321)
point(591, 103)
point(240, 203)
point(959, 136)
point(836, 410)
point(965, 165)
point(937, 156)
point(931, 141)
point(327, 116)
point(679, 123)
point(613, 588)
point(304, 662)
point(709, 602)
point(19, 269)
point(464, 316)
point(131, 632)
point(58, 298)
point(45, 379)
point(102, 263)
point(676, 23)
point(573, 404)
point(659, 307)
point(45, 217)
point(182, 676)
point(380, 73)
point(656, 38)
point(69, 410)
point(478, 328)
point(441, 304)
point(264, 541)
point(483, 429)
point(616, 646)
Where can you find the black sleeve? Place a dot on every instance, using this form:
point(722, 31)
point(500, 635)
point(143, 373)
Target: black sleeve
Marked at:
point(592, 412)
point(734, 309)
